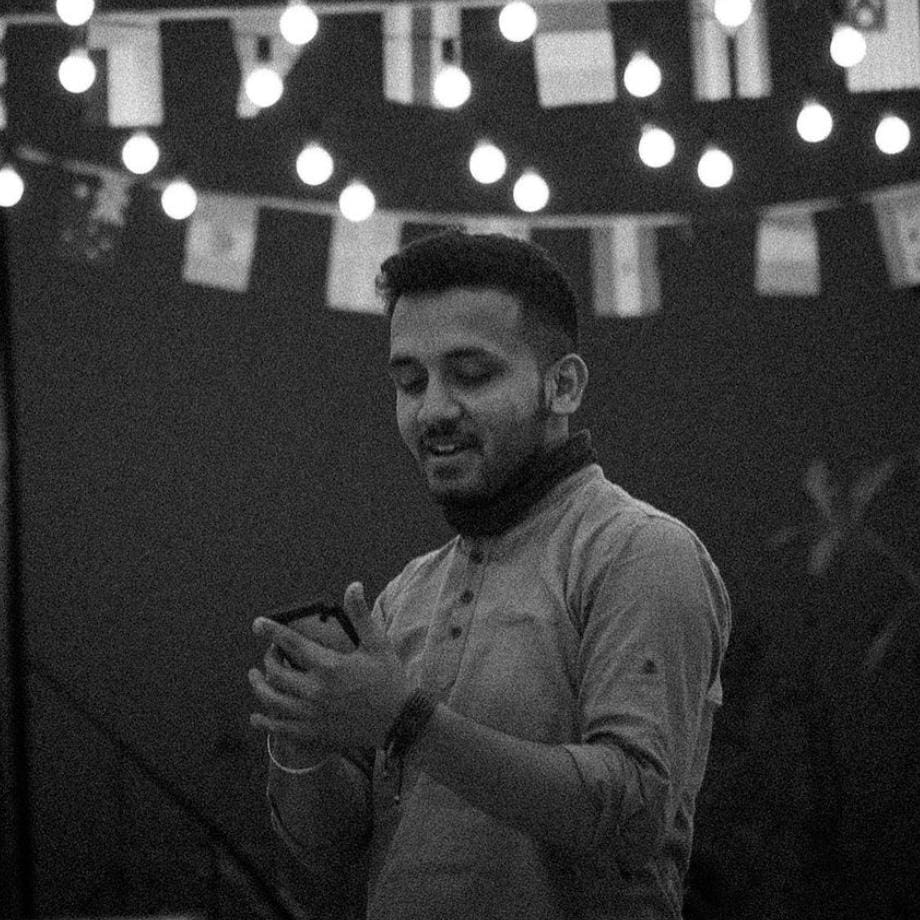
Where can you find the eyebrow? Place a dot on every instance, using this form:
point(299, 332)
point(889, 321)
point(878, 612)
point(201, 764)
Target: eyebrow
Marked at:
point(400, 361)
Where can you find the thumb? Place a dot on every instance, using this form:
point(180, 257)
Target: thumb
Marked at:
point(359, 613)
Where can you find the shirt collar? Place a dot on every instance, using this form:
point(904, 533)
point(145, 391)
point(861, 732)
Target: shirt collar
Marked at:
point(517, 501)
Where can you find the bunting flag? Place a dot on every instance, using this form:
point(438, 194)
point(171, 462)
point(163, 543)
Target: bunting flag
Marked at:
point(624, 267)
point(417, 42)
point(729, 63)
point(220, 242)
point(787, 262)
point(892, 32)
point(92, 217)
point(897, 214)
point(573, 54)
point(2, 76)
point(355, 254)
point(258, 41)
point(128, 91)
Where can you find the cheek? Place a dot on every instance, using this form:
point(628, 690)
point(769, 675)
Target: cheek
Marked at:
point(513, 420)
point(405, 420)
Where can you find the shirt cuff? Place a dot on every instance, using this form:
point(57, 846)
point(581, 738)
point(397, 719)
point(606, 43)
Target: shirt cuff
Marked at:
point(629, 803)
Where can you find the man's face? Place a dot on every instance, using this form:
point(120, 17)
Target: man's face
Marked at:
point(469, 393)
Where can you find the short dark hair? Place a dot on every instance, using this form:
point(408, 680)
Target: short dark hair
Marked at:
point(455, 258)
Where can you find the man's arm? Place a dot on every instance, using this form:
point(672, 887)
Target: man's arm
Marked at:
point(323, 816)
point(536, 788)
point(617, 787)
point(650, 647)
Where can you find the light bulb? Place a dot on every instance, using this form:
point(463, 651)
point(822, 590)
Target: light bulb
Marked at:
point(75, 12)
point(140, 153)
point(298, 23)
point(656, 147)
point(814, 123)
point(314, 164)
point(715, 168)
point(357, 202)
point(848, 46)
point(642, 76)
point(531, 193)
point(452, 87)
point(487, 163)
point(77, 72)
point(179, 199)
point(517, 21)
point(11, 186)
point(892, 134)
point(264, 87)
point(732, 14)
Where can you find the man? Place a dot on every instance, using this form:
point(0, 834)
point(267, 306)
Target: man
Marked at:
point(523, 729)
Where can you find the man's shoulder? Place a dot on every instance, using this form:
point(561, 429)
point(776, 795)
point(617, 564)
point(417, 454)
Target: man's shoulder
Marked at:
point(609, 514)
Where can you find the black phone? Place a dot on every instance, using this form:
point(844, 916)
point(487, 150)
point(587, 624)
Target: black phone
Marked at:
point(321, 609)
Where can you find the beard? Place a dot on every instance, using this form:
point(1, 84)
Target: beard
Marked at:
point(507, 478)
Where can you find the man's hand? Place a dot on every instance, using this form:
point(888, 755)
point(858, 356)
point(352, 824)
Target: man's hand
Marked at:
point(329, 699)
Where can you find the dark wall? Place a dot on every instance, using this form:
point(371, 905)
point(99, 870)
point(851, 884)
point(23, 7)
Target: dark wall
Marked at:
point(192, 457)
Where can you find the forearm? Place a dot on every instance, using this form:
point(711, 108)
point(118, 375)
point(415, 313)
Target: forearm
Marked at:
point(321, 814)
point(534, 787)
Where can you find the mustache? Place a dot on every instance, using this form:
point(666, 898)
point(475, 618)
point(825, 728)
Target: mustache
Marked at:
point(446, 432)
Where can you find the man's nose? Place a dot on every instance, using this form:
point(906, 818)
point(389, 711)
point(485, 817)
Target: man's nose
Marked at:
point(438, 405)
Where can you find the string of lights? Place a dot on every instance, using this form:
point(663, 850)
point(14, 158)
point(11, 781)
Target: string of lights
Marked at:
point(518, 21)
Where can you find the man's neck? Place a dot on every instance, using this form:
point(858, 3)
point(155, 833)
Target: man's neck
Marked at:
point(498, 513)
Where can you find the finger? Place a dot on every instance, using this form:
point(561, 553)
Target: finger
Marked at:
point(290, 728)
point(360, 614)
point(291, 680)
point(303, 652)
point(278, 702)
point(275, 658)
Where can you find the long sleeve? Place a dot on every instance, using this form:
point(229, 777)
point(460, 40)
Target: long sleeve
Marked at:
point(654, 631)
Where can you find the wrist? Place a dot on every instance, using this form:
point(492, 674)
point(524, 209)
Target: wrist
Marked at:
point(410, 724)
point(290, 756)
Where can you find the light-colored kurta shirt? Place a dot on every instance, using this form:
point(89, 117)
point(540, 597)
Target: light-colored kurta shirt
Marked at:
point(598, 624)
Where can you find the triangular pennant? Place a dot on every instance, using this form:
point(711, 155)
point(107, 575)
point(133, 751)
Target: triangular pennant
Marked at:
point(417, 42)
point(897, 215)
point(729, 63)
point(509, 226)
point(220, 242)
point(130, 74)
point(787, 261)
point(573, 54)
point(624, 263)
point(865, 14)
point(95, 101)
point(93, 217)
point(3, 116)
point(892, 32)
point(258, 41)
point(356, 252)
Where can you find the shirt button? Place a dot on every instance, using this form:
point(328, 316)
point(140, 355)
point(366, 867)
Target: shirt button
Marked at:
point(466, 597)
point(476, 556)
point(455, 632)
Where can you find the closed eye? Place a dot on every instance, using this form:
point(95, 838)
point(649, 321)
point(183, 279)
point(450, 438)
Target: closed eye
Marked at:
point(472, 370)
point(473, 378)
point(412, 386)
point(407, 379)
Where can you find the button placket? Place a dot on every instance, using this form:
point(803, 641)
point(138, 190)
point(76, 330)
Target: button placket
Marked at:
point(461, 616)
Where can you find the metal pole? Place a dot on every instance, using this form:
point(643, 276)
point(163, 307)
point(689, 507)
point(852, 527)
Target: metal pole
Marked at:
point(21, 856)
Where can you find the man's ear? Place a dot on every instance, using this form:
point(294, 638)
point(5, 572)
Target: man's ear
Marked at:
point(564, 384)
